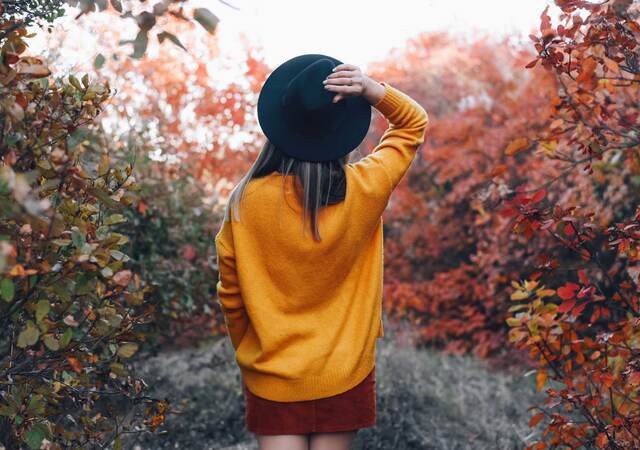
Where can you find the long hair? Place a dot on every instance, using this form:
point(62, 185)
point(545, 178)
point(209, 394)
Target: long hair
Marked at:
point(317, 184)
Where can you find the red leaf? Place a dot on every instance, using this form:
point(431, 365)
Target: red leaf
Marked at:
point(567, 306)
point(569, 230)
point(538, 196)
point(579, 309)
point(568, 291)
point(508, 212)
point(545, 23)
point(531, 64)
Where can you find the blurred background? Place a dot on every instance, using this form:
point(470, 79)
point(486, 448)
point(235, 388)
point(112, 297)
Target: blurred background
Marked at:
point(511, 307)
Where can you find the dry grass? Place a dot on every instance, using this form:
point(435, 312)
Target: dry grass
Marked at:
point(426, 400)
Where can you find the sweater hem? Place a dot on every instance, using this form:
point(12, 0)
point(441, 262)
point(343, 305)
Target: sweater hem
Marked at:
point(279, 389)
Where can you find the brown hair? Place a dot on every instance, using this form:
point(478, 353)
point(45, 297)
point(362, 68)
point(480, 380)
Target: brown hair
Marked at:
point(323, 182)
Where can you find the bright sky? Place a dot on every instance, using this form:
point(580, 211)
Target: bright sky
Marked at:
point(359, 31)
point(353, 31)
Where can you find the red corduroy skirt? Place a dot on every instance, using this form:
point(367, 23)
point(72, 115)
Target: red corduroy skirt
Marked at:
point(350, 410)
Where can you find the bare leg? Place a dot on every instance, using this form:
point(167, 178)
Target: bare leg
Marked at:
point(283, 442)
point(332, 441)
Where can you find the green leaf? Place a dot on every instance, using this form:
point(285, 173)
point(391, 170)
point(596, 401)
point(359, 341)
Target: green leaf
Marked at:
point(65, 338)
point(7, 410)
point(36, 405)
point(206, 18)
point(172, 37)
point(76, 137)
point(63, 289)
point(140, 44)
point(29, 335)
point(51, 342)
point(75, 82)
point(42, 309)
point(35, 435)
point(7, 289)
point(116, 5)
point(114, 218)
point(103, 197)
point(77, 237)
point(99, 61)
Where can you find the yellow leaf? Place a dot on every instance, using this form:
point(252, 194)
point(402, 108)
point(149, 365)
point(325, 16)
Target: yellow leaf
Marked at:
point(549, 147)
point(127, 350)
point(519, 295)
point(103, 167)
point(513, 322)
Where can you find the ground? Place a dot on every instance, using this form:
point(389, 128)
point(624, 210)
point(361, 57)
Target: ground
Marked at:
point(426, 400)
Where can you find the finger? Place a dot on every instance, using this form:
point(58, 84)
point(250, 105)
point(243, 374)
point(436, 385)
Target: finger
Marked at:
point(337, 98)
point(342, 80)
point(344, 66)
point(342, 73)
point(342, 89)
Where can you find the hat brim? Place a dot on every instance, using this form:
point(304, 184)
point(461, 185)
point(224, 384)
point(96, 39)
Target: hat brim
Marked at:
point(349, 133)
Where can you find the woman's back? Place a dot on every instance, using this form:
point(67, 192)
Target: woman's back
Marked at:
point(304, 315)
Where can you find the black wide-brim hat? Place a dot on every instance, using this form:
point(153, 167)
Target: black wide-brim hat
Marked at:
point(297, 114)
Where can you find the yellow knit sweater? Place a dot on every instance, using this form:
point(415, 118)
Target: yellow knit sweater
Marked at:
point(303, 316)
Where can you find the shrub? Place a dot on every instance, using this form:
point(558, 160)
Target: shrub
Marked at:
point(69, 306)
point(578, 312)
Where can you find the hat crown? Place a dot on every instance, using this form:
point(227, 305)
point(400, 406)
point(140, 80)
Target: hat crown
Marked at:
point(297, 113)
point(309, 106)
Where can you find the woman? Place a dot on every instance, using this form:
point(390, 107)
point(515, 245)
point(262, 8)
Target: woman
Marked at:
point(304, 312)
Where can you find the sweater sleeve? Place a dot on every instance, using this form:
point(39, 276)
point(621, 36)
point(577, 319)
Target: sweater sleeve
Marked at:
point(387, 163)
point(228, 289)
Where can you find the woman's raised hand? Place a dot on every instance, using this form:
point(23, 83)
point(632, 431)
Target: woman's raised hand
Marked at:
point(347, 79)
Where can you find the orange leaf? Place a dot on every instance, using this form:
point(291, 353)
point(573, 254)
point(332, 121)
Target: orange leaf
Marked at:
point(607, 380)
point(17, 271)
point(601, 440)
point(541, 378)
point(535, 420)
point(517, 146)
point(588, 67)
point(75, 364)
point(611, 64)
point(498, 170)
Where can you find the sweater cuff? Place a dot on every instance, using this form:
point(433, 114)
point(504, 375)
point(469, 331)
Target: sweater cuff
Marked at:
point(390, 101)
